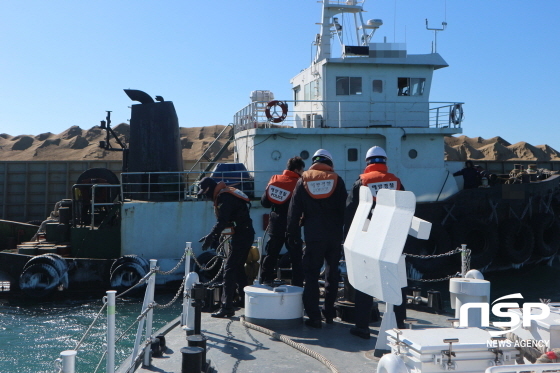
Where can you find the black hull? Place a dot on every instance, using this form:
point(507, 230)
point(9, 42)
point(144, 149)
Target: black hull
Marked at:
point(506, 226)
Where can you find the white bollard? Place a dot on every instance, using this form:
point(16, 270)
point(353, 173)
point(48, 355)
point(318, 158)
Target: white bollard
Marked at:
point(192, 279)
point(111, 294)
point(66, 363)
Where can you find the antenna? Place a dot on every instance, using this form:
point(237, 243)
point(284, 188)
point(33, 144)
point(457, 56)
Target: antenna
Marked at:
point(435, 30)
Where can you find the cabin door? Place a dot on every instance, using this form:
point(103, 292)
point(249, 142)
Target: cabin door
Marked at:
point(381, 113)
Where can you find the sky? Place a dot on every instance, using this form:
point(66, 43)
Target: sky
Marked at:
point(64, 63)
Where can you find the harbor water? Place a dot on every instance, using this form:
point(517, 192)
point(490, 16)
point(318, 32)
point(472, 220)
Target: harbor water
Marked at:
point(32, 335)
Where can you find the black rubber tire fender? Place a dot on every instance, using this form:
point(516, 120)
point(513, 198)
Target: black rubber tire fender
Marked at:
point(546, 229)
point(127, 275)
point(516, 241)
point(130, 259)
point(439, 242)
point(39, 280)
point(480, 237)
point(53, 260)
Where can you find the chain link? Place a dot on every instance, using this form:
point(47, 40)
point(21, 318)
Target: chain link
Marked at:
point(174, 268)
point(162, 306)
point(449, 253)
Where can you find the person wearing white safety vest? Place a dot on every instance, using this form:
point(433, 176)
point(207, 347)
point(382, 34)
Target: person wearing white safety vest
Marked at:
point(318, 205)
point(376, 176)
point(277, 197)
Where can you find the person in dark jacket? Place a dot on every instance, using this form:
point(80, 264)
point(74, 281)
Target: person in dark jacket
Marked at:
point(277, 197)
point(470, 175)
point(232, 211)
point(376, 176)
point(318, 204)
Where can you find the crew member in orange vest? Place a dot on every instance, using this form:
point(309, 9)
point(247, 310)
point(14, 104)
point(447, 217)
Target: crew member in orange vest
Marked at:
point(277, 197)
point(376, 176)
point(318, 204)
point(232, 211)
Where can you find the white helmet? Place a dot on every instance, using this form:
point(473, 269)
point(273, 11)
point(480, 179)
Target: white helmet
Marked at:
point(376, 151)
point(322, 153)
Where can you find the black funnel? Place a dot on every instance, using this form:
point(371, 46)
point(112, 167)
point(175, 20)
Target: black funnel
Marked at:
point(155, 146)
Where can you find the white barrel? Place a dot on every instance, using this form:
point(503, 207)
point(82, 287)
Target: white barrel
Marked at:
point(469, 290)
point(269, 307)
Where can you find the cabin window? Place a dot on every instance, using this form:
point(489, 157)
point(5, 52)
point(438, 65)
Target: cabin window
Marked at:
point(352, 154)
point(377, 86)
point(348, 85)
point(296, 94)
point(306, 92)
point(410, 86)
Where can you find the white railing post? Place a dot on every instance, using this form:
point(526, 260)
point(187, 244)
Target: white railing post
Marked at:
point(111, 294)
point(150, 316)
point(66, 363)
point(188, 251)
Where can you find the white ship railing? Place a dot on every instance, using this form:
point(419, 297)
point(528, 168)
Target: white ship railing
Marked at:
point(183, 186)
point(338, 114)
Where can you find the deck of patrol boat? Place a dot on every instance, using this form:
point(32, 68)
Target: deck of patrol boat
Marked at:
point(232, 347)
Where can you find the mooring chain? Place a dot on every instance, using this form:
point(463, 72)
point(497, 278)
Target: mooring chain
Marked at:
point(217, 275)
point(161, 306)
point(449, 253)
point(157, 270)
point(140, 282)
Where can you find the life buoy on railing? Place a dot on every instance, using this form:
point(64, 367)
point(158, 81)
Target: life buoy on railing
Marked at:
point(275, 117)
point(456, 114)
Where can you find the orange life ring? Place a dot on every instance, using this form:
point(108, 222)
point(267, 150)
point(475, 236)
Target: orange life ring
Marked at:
point(275, 117)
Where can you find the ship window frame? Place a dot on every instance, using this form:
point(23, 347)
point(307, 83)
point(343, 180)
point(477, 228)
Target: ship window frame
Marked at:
point(410, 86)
point(348, 85)
point(297, 91)
point(352, 154)
point(377, 86)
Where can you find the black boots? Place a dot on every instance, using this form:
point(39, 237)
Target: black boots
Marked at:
point(223, 313)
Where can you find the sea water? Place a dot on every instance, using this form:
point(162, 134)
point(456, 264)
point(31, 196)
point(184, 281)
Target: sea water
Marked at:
point(32, 336)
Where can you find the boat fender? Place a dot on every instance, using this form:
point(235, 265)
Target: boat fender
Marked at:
point(456, 114)
point(130, 259)
point(517, 241)
point(53, 260)
point(127, 275)
point(479, 236)
point(390, 363)
point(276, 118)
point(474, 274)
point(39, 280)
point(547, 234)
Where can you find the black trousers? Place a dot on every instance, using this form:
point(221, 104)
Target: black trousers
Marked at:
point(363, 304)
point(234, 269)
point(270, 261)
point(316, 253)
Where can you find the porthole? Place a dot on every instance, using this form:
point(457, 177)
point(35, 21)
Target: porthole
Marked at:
point(412, 153)
point(304, 154)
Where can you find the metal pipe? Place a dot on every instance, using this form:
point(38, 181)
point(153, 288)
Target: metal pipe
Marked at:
point(111, 295)
point(150, 316)
point(188, 252)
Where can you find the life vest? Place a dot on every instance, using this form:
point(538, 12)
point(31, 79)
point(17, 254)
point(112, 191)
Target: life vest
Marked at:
point(320, 181)
point(376, 177)
point(223, 188)
point(280, 187)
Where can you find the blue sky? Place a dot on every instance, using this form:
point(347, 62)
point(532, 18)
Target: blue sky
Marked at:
point(65, 62)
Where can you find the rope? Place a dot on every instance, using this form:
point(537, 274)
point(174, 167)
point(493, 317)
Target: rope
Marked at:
point(298, 346)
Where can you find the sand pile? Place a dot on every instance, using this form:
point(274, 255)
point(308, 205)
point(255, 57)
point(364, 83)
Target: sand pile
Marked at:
point(76, 144)
point(496, 149)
